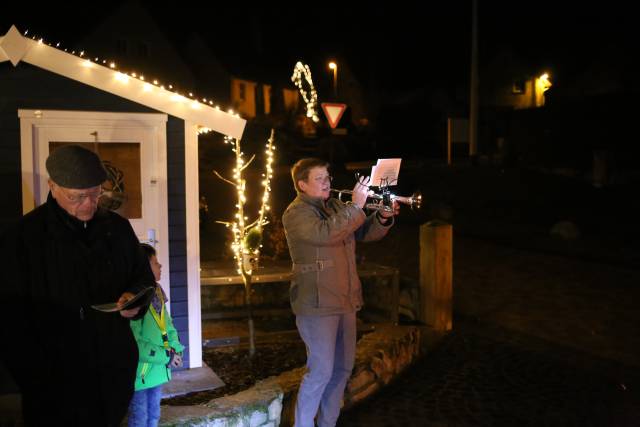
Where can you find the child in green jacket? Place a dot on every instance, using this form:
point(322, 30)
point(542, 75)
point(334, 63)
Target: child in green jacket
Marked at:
point(159, 349)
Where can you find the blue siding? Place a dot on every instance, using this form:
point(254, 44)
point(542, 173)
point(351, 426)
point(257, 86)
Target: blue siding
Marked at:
point(179, 308)
point(180, 277)
point(179, 262)
point(181, 323)
point(178, 232)
point(179, 250)
point(178, 293)
point(177, 215)
point(177, 228)
point(176, 186)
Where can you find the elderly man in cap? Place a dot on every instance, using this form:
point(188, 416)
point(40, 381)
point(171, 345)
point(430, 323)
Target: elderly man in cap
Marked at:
point(74, 365)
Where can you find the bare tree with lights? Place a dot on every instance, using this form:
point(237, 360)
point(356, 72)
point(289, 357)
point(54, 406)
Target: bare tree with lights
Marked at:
point(247, 237)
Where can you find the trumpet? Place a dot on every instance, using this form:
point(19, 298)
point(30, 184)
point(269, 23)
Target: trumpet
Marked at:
point(385, 199)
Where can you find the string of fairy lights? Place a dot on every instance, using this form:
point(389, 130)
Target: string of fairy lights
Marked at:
point(311, 97)
point(124, 77)
point(240, 246)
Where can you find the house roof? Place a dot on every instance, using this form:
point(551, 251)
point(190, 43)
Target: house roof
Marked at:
point(15, 47)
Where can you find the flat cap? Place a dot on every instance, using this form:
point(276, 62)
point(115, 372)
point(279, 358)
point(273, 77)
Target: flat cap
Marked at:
point(73, 166)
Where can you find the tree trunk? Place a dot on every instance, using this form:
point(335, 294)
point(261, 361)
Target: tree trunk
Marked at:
point(247, 302)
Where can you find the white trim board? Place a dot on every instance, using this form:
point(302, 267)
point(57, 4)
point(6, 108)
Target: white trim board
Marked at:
point(193, 244)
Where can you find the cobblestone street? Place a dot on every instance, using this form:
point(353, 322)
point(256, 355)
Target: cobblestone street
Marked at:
point(487, 376)
point(542, 336)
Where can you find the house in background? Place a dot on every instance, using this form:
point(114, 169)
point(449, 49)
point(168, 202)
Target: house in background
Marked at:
point(146, 132)
point(507, 82)
point(250, 98)
point(253, 99)
point(212, 78)
point(583, 121)
point(142, 46)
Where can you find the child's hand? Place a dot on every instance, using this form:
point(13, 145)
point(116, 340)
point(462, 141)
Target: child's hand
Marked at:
point(177, 361)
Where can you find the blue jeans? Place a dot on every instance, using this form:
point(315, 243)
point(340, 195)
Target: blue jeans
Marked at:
point(331, 348)
point(144, 409)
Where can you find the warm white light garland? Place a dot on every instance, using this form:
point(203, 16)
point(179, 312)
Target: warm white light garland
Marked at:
point(239, 227)
point(311, 97)
point(123, 77)
point(247, 238)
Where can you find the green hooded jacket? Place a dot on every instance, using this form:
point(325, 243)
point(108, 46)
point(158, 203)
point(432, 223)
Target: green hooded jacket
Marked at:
point(152, 366)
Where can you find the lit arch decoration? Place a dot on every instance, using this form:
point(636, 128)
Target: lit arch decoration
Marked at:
point(301, 71)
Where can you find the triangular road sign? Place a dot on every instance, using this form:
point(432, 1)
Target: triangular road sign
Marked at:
point(333, 112)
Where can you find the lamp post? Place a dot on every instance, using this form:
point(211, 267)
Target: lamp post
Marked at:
point(333, 66)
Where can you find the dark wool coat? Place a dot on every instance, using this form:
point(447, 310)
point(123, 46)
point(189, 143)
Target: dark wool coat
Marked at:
point(73, 364)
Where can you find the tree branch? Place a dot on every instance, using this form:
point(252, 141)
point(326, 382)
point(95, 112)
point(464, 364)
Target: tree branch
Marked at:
point(223, 178)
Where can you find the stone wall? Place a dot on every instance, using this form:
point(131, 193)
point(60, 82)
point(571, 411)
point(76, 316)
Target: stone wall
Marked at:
point(380, 356)
point(259, 406)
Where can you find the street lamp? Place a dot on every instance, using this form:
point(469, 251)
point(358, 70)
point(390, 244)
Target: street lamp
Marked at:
point(333, 66)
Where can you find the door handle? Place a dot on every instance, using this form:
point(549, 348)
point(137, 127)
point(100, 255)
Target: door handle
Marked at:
point(151, 237)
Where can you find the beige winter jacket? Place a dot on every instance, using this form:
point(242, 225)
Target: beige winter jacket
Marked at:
point(322, 241)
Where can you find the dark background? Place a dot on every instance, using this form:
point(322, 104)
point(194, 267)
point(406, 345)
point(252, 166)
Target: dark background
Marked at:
point(393, 46)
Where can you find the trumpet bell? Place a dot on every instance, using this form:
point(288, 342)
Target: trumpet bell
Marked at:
point(414, 202)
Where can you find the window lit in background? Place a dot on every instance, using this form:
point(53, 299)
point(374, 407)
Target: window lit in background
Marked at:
point(542, 85)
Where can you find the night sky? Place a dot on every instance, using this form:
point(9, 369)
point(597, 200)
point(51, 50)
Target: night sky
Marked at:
point(396, 45)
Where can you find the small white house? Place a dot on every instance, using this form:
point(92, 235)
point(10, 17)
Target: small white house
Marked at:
point(148, 134)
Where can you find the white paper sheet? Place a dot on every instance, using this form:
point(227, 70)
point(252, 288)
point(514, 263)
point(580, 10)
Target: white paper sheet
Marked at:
point(385, 172)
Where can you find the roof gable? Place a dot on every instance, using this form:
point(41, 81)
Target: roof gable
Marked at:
point(15, 48)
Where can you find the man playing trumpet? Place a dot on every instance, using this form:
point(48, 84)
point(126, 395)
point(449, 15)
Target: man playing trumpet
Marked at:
point(325, 288)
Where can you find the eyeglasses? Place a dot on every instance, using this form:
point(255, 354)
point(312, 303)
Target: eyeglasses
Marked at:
point(78, 199)
point(323, 179)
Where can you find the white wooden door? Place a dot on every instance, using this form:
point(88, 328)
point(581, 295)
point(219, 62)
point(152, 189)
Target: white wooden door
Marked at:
point(133, 146)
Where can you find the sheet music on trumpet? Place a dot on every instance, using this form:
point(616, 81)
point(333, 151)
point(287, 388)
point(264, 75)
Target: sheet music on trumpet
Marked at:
point(385, 172)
